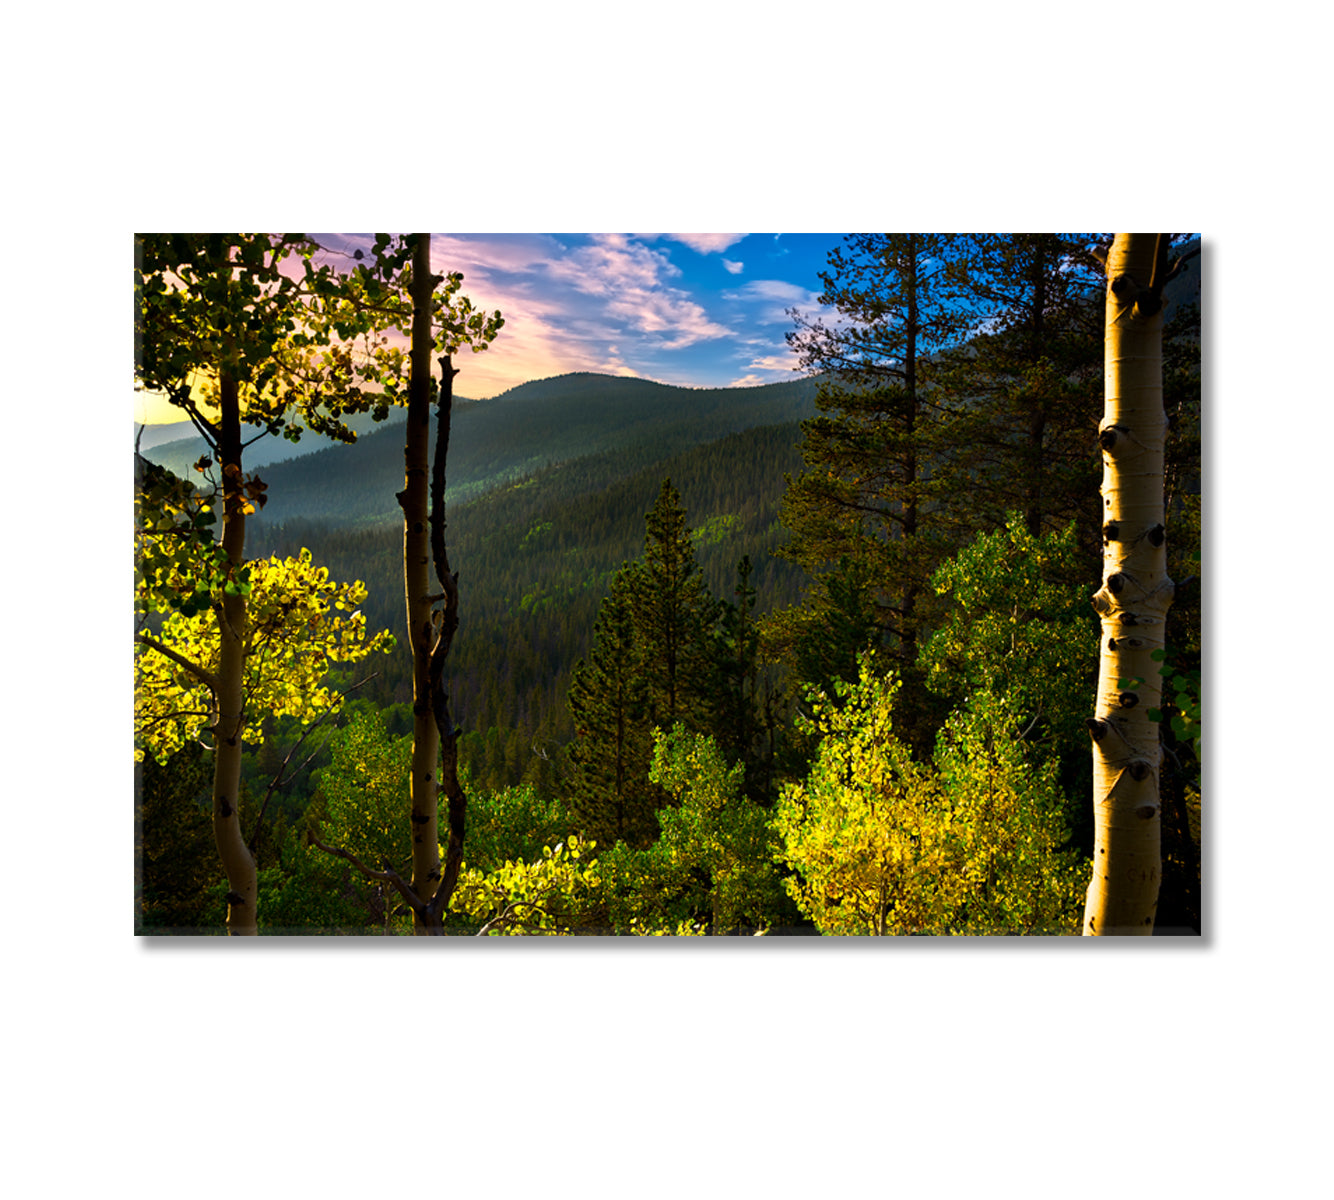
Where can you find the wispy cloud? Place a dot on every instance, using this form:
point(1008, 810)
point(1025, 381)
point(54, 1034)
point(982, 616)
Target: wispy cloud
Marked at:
point(618, 304)
point(768, 368)
point(612, 263)
point(707, 243)
point(608, 304)
point(774, 298)
point(632, 279)
point(649, 305)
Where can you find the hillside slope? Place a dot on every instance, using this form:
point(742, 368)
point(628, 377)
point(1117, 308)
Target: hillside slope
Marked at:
point(531, 427)
point(535, 559)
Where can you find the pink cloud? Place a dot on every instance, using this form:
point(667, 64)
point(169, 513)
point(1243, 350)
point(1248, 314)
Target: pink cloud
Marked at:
point(707, 243)
point(565, 303)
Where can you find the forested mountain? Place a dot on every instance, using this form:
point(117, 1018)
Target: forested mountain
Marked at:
point(535, 559)
point(531, 427)
point(548, 487)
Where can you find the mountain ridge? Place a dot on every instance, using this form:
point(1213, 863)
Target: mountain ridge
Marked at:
point(497, 442)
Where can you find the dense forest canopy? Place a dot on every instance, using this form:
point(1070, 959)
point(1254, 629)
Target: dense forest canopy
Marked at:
point(811, 657)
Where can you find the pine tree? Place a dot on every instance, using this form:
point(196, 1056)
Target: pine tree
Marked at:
point(876, 488)
point(610, 795)
point(674, 617)
point(1025, 392)
point(657, 661)
point(745, 729)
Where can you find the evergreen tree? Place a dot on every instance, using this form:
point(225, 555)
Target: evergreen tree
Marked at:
point(873, 488)
point(870, 514)
point(674, 617)
point(746, 723)
point(738, 659)
point(658, 659)
point(610, 796)
point(1026, 391)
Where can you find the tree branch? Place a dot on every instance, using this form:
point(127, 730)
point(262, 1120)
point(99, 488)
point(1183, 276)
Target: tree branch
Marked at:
point(388, 875)
point(508, 913)
point(175, 715)
point(207, 678)
point(207, 430)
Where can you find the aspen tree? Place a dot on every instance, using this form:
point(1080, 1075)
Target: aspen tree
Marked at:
point(275, 347)
point(231, 337)
point(430, 630)
point(422, 630)
point(1135, 595)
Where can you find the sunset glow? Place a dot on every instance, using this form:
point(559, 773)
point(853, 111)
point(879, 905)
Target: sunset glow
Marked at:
point(696, 310)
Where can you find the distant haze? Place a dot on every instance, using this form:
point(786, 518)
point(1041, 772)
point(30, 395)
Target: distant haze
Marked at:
point(175, 445)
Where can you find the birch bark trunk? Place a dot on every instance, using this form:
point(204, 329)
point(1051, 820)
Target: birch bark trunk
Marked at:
point(1133, 600)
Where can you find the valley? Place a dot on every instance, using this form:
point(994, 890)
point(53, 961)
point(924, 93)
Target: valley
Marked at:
point(535, 548)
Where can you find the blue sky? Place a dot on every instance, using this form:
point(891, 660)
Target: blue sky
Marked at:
point(698, 310)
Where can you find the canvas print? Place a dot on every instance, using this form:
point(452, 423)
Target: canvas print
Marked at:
point(762, 585)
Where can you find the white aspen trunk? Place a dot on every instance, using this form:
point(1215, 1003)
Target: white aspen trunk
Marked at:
point(424, 787)
point(229, 697)
point(1133, 599)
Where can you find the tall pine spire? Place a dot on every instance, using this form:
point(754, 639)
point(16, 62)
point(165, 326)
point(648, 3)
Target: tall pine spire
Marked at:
point(657, 661)
point(674, 616)
point(610, 796)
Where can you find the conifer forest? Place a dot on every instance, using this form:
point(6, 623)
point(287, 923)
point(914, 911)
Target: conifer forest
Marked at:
point(905, 643)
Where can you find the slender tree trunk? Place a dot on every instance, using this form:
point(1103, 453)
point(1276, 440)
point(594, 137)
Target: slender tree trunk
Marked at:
point(446, 731)
point(229, 697)
point(416, 579)
point(1133, 599)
